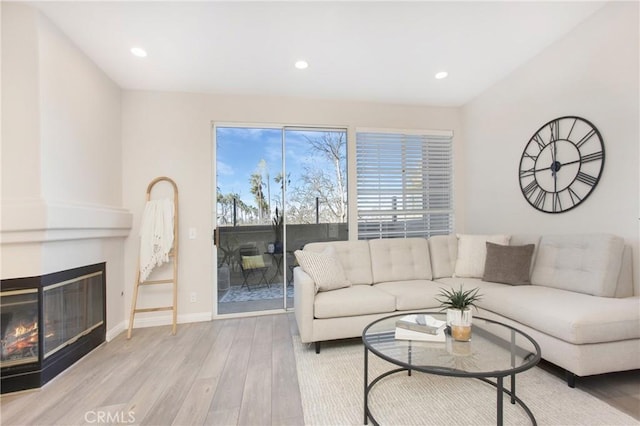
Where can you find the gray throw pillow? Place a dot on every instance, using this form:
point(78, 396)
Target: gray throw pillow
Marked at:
point(508, 264)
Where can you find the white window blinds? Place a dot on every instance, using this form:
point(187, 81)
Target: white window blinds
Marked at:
point(404, 183)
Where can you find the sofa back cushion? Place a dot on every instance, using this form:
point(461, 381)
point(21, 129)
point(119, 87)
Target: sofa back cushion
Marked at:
point(354, 257)
point(626, 286)
point(399, 259)
point(444, 251)
point(472, 253)
point(588, 263)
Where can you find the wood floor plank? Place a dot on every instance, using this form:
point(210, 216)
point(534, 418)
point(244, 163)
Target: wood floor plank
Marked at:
point(256, 398)
point(214, 364)
point(195, 406)
point(285, 401)
point(139, 368)
point(223, 417)
point(167, 406)
point(167, 367)
point(230, 388)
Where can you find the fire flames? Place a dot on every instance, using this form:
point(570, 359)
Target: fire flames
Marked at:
point(22, 342)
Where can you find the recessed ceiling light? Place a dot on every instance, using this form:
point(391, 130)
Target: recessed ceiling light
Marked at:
point(301, 64)
point(442, 74)
point(139, 52)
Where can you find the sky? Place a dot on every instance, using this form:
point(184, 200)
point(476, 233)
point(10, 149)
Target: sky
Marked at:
point(239, 151)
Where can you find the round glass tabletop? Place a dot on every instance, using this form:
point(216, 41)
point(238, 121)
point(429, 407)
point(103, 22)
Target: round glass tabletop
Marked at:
point(495, 349)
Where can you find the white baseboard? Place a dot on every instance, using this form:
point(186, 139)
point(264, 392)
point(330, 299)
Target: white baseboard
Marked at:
point(157, 321)
point(114, 331)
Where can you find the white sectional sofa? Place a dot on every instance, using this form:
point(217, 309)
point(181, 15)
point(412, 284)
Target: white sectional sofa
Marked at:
point(576, 297)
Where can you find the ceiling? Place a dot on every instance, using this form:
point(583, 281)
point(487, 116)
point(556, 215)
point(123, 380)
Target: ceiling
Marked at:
point(373, 51)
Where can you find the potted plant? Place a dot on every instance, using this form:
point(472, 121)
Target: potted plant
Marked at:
point(277, 230)
point(458, 304)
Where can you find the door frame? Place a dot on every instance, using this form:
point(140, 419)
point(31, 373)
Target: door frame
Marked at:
point(213, 193)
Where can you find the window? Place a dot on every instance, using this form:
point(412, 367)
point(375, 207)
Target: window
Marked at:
point(404, 183)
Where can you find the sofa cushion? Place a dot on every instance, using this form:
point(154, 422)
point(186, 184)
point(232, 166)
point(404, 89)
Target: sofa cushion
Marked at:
point(324, 268)
point(573, 317)
point(443, 250)
point(396, 259)
point(412, 294)
point(352, 301)
point(354, 257)
point(508, 264)
point(472, 253)
point(587, 264)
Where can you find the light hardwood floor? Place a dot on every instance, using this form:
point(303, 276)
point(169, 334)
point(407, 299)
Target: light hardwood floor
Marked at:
point(224, 372)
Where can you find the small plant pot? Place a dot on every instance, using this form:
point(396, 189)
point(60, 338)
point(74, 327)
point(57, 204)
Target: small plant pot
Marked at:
point(456, 315)
point(460, 324)
point(461, 332)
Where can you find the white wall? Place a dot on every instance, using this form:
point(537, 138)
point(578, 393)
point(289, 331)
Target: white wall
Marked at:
point(593, 73)
point(20, 119)
point(171, 134)
point(80, 118)
point(61, 158)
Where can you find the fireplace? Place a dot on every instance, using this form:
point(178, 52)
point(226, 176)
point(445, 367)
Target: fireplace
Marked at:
point(49, 322)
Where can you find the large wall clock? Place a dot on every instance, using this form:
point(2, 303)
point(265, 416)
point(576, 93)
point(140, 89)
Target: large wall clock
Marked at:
point(561, 164)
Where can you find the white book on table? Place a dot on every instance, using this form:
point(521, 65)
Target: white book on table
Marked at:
point(421, 322)
point(404, 334)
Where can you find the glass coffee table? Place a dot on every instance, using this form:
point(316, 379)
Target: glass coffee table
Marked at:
point(495, 351)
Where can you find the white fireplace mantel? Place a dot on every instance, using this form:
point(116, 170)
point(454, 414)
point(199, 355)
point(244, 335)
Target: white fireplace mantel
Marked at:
point(37, 220)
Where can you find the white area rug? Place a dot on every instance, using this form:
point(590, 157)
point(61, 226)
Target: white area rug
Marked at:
point(262, 292)
point(332, 387)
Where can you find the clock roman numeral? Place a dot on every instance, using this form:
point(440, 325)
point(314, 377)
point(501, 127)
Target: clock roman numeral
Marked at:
point(575, 120)
point(531, 188)
point(538, 139)
point(586, 179)
point(554, 126)
point(527, 173)
point(540, 198)
point(586, 138)
point(557, 204)
point(593, 157)
point(575, 198)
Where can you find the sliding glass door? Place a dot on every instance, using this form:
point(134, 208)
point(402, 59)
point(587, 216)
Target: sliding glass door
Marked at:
point(276, 188)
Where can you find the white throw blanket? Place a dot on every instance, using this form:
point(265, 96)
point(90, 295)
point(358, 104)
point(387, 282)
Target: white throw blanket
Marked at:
point(156, 235)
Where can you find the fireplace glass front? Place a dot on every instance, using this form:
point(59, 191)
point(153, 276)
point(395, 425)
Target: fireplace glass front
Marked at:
point(19, 334)
point(71, 309)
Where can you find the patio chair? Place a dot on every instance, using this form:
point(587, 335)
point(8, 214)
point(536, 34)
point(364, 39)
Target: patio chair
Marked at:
point(252, 263)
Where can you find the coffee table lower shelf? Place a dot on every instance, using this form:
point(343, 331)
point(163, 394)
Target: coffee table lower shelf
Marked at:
point(498, 384)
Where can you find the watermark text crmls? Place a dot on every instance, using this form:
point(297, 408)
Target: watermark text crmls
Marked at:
point(109, 417)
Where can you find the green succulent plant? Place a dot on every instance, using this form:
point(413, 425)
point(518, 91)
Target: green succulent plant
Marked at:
point(458, 299)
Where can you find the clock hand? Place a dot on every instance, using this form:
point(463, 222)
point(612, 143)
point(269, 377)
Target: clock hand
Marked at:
point(554, 170)
point(552, 165)
point(572, 162)
point(543, 169)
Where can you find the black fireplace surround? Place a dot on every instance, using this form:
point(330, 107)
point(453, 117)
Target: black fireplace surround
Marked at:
point(49, 322)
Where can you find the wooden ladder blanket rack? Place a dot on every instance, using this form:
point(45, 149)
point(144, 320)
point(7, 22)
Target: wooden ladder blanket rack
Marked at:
point(173, 254)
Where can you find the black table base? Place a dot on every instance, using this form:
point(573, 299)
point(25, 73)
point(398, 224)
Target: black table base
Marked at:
point(498, 384)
